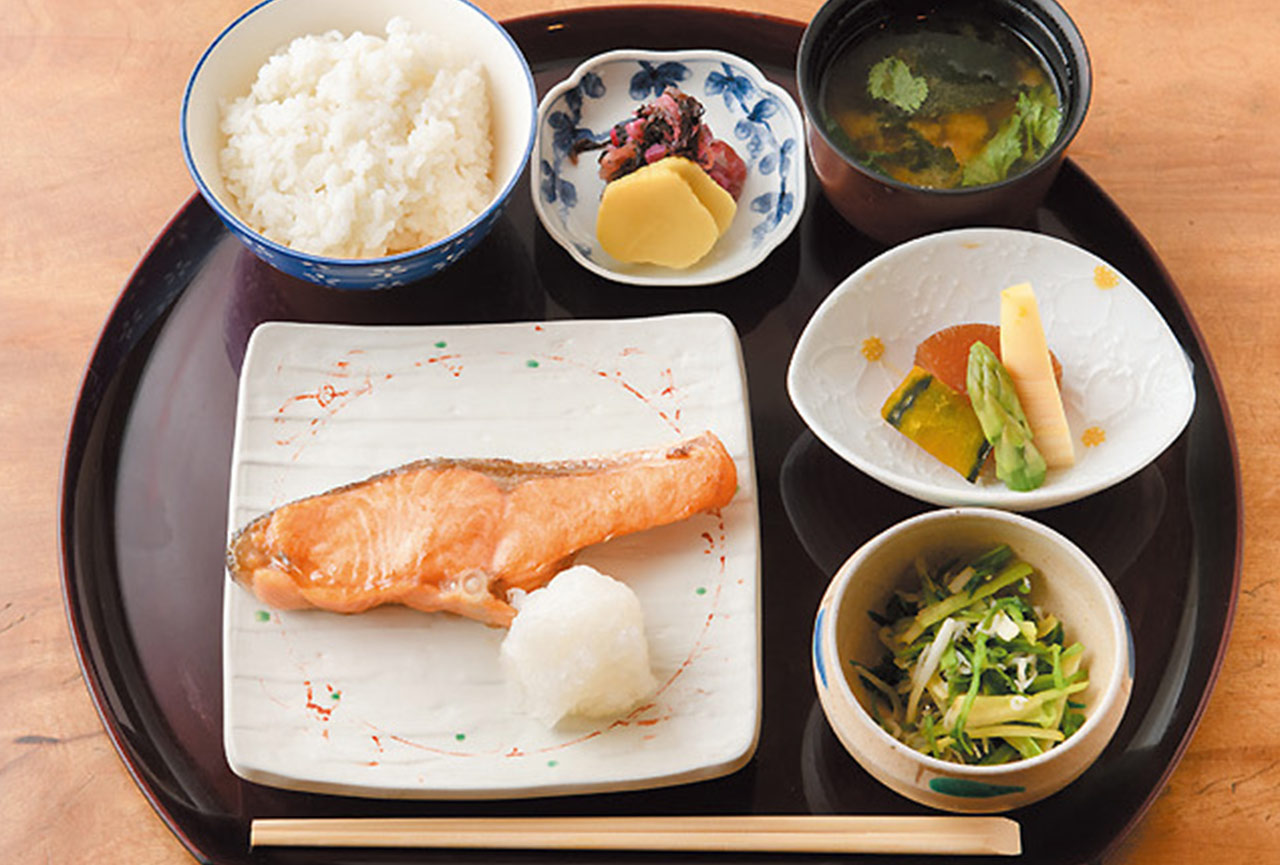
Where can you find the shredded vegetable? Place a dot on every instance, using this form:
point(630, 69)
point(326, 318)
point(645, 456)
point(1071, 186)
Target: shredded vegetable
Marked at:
point(973, 673)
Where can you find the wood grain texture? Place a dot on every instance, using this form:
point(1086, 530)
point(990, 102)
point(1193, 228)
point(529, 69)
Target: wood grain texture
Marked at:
point(91, 171)
point(790, 833)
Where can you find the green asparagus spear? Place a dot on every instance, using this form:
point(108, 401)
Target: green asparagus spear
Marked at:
point(1018, 463)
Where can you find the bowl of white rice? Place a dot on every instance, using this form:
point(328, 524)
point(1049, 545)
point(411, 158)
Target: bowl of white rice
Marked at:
point(359, 144)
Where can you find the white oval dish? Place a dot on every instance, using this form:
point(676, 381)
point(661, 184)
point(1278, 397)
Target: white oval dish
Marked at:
point(1127, 384)
point(757, 117)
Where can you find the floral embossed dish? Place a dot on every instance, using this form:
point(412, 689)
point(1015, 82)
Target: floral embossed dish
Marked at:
point(758, 118)
point(1126, 383)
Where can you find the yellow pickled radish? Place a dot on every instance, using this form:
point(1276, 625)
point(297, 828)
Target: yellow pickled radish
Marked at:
point(669, 213)
point(714, 197)
point(1024, 351)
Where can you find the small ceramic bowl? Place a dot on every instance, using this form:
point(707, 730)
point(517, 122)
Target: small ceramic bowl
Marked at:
point(1127, 385)
point(230, 64)
point(891, 211)
point(758, 118)
point(1066, 583)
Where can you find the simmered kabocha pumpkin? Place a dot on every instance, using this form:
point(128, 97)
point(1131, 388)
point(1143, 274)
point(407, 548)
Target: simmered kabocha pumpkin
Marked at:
point(939, 420)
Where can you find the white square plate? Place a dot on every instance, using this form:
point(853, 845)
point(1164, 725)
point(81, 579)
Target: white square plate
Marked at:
point(398, 703)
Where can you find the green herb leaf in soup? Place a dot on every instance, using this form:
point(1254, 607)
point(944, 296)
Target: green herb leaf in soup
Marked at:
point(891, 80)
point(941, 103)
point(1025, 135)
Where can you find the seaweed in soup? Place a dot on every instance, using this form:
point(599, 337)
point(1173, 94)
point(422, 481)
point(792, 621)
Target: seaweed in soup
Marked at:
point(941, 103)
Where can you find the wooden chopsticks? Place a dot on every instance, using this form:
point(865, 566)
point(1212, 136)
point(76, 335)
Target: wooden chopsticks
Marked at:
point(952, 835)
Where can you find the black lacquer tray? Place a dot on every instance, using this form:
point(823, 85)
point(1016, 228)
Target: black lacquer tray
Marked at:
point(143, 514)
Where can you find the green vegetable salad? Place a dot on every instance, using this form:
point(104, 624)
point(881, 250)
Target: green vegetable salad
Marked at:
point(973, 673)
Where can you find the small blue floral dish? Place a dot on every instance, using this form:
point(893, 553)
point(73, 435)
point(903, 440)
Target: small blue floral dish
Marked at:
point(757, 117)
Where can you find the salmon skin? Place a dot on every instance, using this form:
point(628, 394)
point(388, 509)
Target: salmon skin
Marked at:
point(459, 534)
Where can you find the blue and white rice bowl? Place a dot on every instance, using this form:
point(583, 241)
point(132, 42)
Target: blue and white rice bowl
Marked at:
point(758, 118)
point(228, 68)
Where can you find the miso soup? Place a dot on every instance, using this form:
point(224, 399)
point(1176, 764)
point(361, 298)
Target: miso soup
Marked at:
point(941, 103)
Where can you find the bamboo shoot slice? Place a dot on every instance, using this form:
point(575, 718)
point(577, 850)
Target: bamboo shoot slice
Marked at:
point(1025, 354)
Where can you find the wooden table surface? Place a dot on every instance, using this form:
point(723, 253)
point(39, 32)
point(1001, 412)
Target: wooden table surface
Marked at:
point(1179, 134)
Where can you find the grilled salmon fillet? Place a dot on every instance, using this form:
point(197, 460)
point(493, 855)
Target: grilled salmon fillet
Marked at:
point(458, 534)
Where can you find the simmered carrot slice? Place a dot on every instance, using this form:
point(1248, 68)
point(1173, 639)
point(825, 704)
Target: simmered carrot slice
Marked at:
point(946, 352)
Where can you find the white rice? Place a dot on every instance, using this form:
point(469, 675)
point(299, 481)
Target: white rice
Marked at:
point(361, 146)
